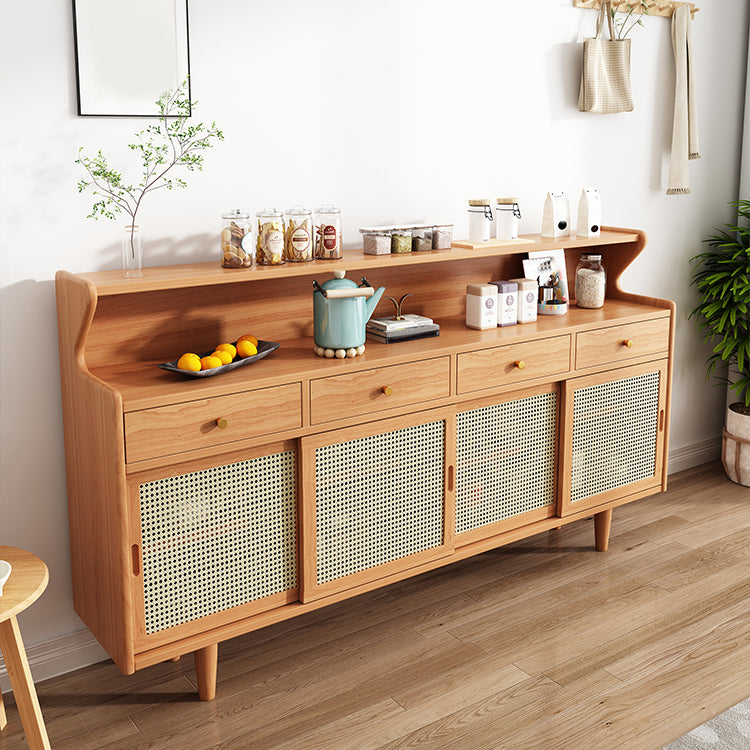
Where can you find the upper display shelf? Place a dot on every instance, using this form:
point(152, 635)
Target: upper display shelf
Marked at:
point(109, 283)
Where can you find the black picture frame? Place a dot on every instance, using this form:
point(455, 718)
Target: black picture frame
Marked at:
point(128, 53)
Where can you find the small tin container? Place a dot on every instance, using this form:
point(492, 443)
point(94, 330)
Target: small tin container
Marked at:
point(507, 302)
point(528, 292)
point(481, 306)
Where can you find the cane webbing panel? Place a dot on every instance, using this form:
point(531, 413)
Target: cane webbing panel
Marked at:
point(378, 499)
point(614, 434)
point(218, 538)
point(505, 460)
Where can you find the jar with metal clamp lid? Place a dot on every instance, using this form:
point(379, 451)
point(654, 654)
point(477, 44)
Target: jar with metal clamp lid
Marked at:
point(507, 214)
point(481, 220)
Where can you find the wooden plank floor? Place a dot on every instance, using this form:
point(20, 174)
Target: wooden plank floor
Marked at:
point(543, 644)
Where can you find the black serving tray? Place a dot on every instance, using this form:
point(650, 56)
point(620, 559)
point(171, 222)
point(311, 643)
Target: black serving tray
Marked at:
point(264, 349)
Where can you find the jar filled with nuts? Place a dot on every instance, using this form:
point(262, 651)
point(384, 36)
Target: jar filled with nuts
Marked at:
point(269, 243)
point(298, 235)
point(236, 239)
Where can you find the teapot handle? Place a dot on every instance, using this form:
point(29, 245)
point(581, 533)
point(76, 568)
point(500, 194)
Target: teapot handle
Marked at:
point(360, 291)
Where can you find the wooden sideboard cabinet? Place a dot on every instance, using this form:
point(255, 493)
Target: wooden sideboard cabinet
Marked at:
point(201, 509)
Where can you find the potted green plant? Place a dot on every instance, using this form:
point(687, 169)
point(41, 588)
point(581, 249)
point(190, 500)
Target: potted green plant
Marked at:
point(722, 277)
point(172, 142)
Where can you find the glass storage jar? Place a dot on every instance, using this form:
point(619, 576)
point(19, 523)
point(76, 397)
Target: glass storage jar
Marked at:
point(235, 239)
point(376, 241)
point(269, 242)
point(298, 234)
point(591, 281)
point(442, 236)
point(421, 238)
point(401, 240)
point(328, 244)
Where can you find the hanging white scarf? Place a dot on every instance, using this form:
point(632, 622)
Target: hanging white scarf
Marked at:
point(685, 127)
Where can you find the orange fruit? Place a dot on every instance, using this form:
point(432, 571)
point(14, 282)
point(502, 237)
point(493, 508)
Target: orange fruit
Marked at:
point(227, 348)
point(190, 362)
point(248, 337)
point(223, 355)
point(209, 362)
point(246, 348)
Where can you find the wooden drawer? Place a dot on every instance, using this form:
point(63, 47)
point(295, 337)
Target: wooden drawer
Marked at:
point(182, 427)
point(367, 391)
point(621, 343)
point(517, 363)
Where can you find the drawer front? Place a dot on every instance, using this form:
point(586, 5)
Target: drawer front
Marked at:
point(177, 428)
point(368, 391)
point(621, 343)
point(517, 363)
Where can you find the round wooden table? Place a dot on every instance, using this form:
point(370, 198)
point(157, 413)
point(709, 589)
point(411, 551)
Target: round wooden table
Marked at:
point(27, 581)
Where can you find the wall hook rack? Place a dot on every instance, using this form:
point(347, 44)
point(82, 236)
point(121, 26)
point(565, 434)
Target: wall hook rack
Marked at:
point(655, 7)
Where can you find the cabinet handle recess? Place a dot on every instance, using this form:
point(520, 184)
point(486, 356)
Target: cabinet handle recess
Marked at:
point(628, 343)
point(221, 423)
point(136, 560)
point(661, 421)
point(450, 478)
point(387, 390)
point(520, 364)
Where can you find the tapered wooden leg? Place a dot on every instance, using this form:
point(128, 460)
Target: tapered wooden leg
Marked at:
point(602, 522)
point(3, 717)
point(206, 660)
point(23, 686)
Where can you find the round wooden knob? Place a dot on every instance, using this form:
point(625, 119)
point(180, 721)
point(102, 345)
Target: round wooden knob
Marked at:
point(628, 343)
point(221, 423)
point(387, 390)
point(520, 364)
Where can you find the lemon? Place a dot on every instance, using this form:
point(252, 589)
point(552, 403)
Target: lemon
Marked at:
point(246, 348)
point(223, 355)
point(209, 362)
point(248, 337)
point(227, 348)
point(190, 362)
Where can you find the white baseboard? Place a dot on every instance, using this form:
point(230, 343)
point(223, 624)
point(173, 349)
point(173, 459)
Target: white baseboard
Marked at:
point(58, 656)
point(694, 455)
point(79, 649)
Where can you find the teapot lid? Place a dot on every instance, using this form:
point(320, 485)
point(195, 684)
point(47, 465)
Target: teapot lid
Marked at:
point(339, 282)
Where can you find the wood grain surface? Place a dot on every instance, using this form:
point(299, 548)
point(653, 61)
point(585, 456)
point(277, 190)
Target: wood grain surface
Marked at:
point(544, 643)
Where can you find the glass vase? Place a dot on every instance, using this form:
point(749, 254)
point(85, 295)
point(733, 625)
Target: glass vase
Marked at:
point(132, 251)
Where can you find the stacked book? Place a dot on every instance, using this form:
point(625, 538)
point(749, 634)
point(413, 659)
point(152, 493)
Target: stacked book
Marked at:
point(406, 328)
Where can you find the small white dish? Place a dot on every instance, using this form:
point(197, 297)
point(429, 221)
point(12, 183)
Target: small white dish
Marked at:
point(4, 574)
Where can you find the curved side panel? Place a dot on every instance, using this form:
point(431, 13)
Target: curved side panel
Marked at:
point(94, 459)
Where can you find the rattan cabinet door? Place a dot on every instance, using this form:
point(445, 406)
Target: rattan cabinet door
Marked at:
point(506, 463)
point(216, 544)
point(615, 435)
point(374, 501)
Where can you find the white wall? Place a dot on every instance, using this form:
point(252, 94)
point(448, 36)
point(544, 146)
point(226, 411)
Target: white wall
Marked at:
point(395, 110)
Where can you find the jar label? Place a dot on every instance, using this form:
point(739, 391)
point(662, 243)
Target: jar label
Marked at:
point(329, 237)
point(300, 240)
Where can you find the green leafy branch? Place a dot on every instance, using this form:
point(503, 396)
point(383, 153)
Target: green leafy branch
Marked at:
point(621, 27)
point(722, 278)
point(170, 143)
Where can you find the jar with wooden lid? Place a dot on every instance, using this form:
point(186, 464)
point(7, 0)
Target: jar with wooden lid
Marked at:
point(591, 281)
point(481, 220)
point(236, 239)
point(507, 214)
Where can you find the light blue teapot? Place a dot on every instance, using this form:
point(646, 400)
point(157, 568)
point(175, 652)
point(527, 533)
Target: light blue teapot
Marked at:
point(341, 308)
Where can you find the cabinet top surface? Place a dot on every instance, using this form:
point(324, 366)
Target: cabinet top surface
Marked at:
point(210, 273)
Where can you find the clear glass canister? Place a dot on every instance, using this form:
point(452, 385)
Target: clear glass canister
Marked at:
point(481, 220)
point(269, 242)
point(591, 281)
point(507, 214)
point(235, 239)
point(328, 244)
point(298, 235)
point(401, 240)
point(421, 238)
point(442, 236)
point(376, 241)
